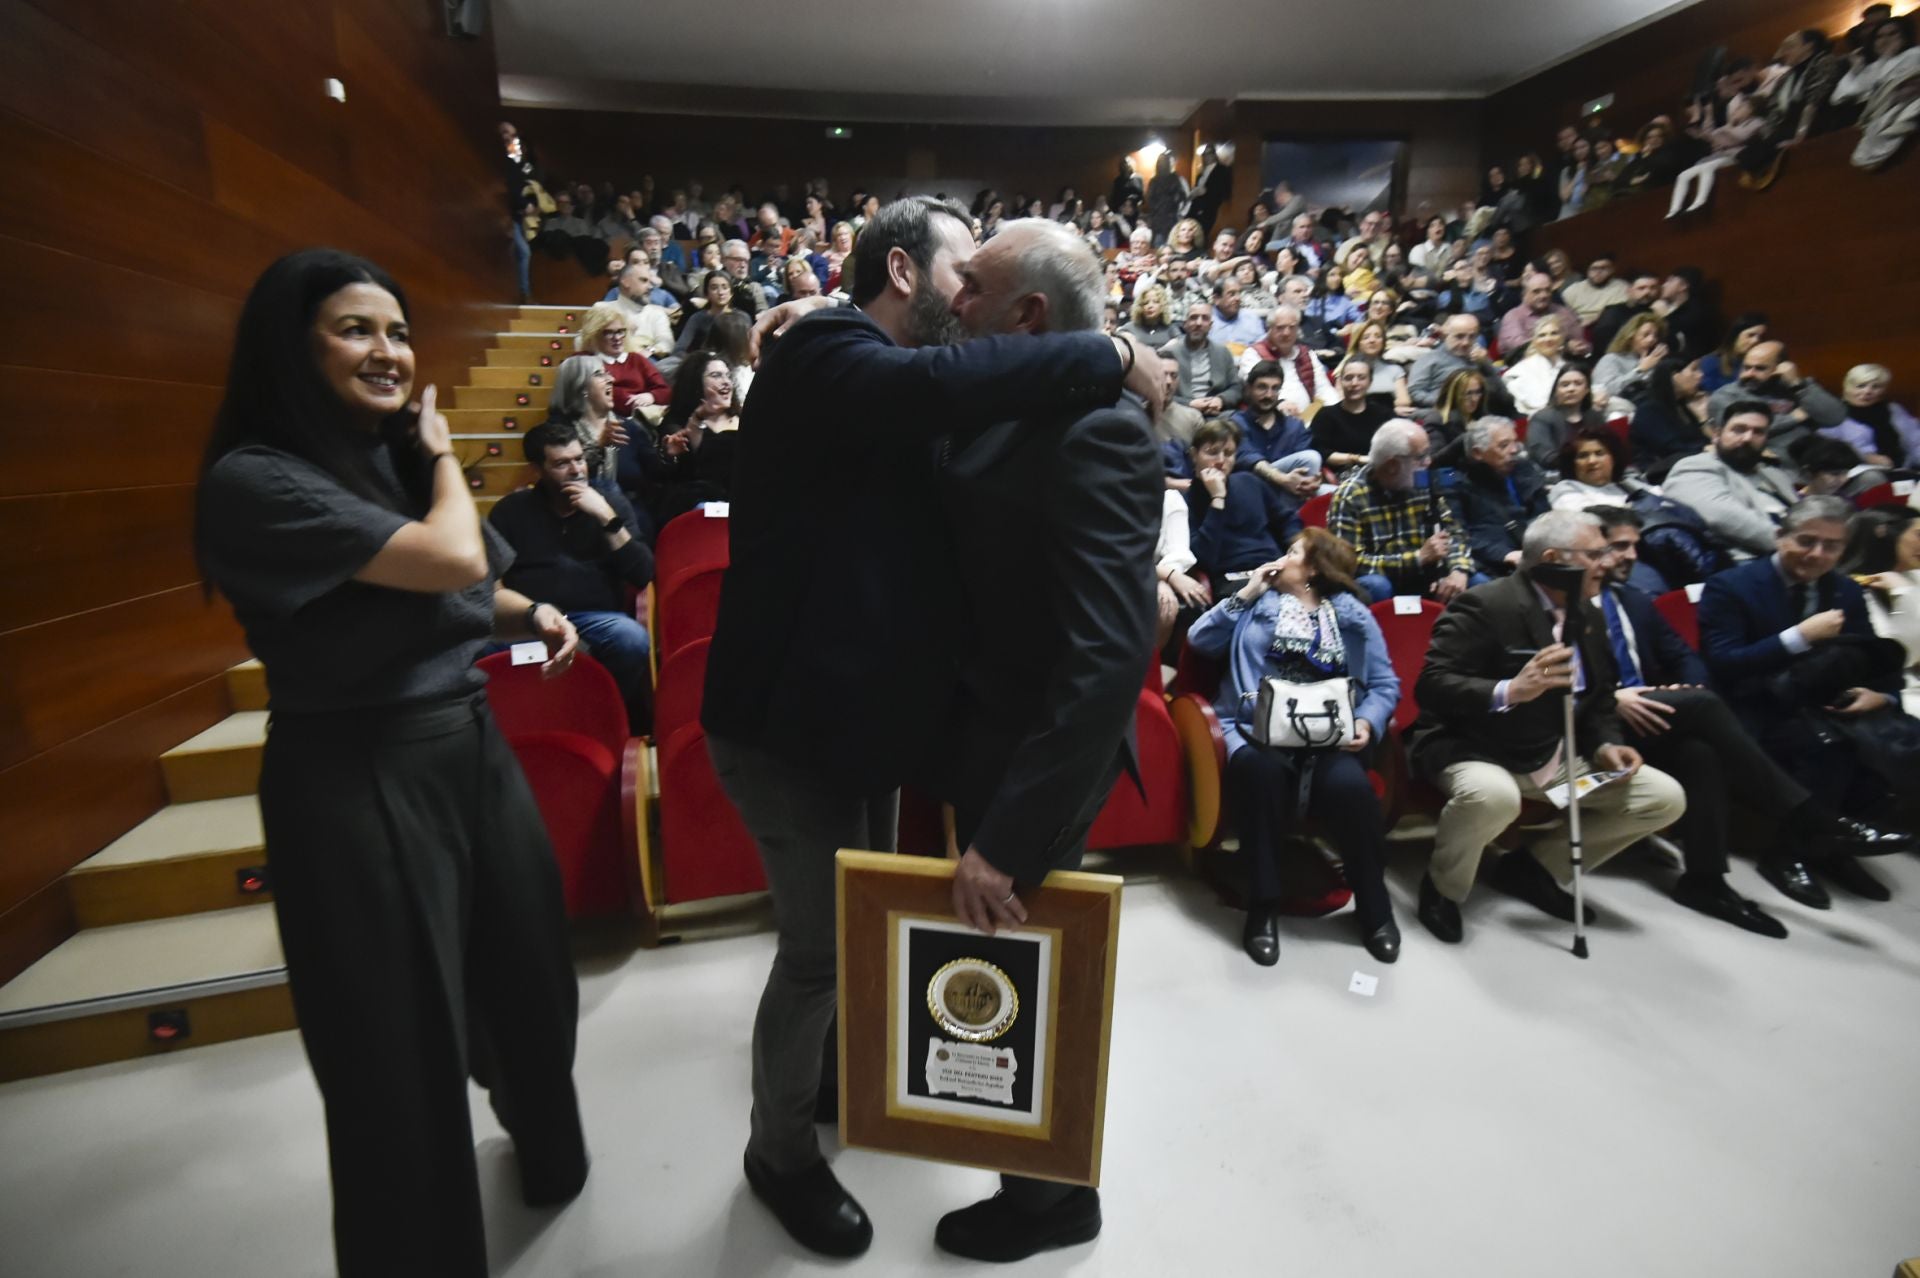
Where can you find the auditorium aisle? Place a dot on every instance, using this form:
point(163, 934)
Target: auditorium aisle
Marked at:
point(1692, 1101)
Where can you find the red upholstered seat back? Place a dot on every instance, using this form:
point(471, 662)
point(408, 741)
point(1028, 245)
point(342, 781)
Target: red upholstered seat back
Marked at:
point(1313, 512)
point(584, 700)
point(1127, 819)
point(1682, 615)
point(692, 540)
point(1407, 638)
point(683, 677)
point(688, 609)
point(705, 848)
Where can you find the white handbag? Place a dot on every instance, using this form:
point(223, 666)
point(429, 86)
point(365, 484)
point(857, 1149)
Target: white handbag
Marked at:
point(1303, 716)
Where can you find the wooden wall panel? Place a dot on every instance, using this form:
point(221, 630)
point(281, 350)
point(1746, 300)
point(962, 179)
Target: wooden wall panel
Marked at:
point(163, 155)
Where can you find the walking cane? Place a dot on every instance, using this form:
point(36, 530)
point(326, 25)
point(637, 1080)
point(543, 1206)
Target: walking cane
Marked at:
point(1570, 580)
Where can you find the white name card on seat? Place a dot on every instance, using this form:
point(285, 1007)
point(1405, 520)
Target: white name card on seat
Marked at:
point(1903, 487)
point(531, 653)
point(1406, 605)
point(1694, 588)
point(716, 509)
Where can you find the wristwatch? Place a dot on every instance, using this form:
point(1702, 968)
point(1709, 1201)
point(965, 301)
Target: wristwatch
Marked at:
point(613, 523)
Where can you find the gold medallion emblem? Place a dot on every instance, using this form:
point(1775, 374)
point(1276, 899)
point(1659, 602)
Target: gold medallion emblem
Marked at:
point(973, 1000)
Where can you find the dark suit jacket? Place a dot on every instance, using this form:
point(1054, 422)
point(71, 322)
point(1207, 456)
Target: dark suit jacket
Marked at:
point(1742, 612)
point(1054, 524)
point(1663, 655)
point(833, 648)
point(1491, 516)
point(1470, 654)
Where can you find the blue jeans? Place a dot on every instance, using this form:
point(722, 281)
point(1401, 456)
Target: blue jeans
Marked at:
point(522, 260)
point(617, 642)
point(1378, 587)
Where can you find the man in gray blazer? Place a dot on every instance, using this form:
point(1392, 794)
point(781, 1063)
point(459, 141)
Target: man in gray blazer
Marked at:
point(1739, 495)
point(1209, 382)
point(1797, 405)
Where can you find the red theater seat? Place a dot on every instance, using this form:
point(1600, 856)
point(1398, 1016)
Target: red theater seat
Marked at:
point(1682, 614)
point(1128, 819)
point(705, 850)
point(1313, 512)
point(686, 608)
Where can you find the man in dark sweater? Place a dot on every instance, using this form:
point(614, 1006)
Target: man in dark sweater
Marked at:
point(1497, 494)
point(574, 547)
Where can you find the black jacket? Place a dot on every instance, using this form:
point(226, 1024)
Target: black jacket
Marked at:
point(1494, 513)
point(1055, 523)
point(1478, 641)
point(834, 647)
point(563, 559)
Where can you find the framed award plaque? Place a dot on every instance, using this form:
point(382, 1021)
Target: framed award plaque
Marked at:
point(985, 1050)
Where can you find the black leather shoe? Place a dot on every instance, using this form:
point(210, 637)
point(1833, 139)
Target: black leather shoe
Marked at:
point(1796, 882)
point(1519, 875)
point(1261, 936)
point(995, 1230)
point(1844, 836)
point(1384, 942)
point(1441, 915)
point(1710, 895)
point(1844, 871)
point(813, 1208)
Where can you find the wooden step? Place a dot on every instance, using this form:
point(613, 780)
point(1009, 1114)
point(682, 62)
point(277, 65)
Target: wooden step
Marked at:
point(219, 763)
point(520, 357)
point(485, 505)
point(475, 450)
point(552, 316)
point(555, 343)
point(540, 379)
point(184, 859)
point(247, 686)
point(490, 421)
point(524, 401)
point(498, 478)
point(94, 998)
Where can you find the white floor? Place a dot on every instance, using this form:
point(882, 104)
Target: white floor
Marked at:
point(1691, 1101)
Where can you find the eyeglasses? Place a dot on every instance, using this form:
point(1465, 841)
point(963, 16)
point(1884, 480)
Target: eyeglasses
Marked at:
point(613, 332)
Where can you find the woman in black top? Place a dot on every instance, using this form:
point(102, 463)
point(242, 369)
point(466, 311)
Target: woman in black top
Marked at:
point(418, 900)
point(1666, 426)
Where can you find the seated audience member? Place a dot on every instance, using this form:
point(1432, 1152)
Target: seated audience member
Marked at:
point(637, 383)
point(801, 278)
point(1182, 596)
point(1880, 431)
point(732, 342)
point(649, 330)
point(1633, 353)
point(737, 260)
point(1149, 320)
point(1408, 540)
point(1357, 270)
point(770, 234)
point(1175, 426)
point(1504, 257)
point(1594, 462)
point(1274, 444)
point(1208, 382)
point(1830, 468)
point(1797, 106)
point(1722, 367)
point(1496, 495)
point(694, 461)
point(1537, 305)
point(1799, 404)
point(1459, 350)
point(1434, 253)
point(1308, 244)
point(839, 248)
point(1304, 378)
point(1254, 296)
point(1593, 293)
point(1656, 162)
point(1213, 267)
point(1236, 521)
point(1530, 377)
point(1343, 432)
point(618, 225)
point(1691, 324)
point(1888, 90)
point(563, 222)
point(1489, 733)
point(1184, 240)
point(582, 401)
point(1724, 145)
point(1789, 645)
point(577, 545)
point(1741, 496)
point(722, 297)
point(1297, 291)
point(1387, 380)
point(1686, 730)
point(1463, 400)
point(1668, 418)
point(667, 262)
point(1642, 291)
point(1883, 555)
point(1232, 323)
point(1331, 307)
point(1570, 406)
point(1183, 290)
point(1301, 618)
point(670, 253)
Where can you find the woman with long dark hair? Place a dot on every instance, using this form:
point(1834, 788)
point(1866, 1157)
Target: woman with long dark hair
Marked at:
point(417, 896)
point(1667, 421)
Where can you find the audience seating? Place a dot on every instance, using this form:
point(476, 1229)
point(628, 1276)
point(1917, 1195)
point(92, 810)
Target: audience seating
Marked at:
point(687, 608)
point(1313, 511)
point(570, 735)
point(1681, 612)
point(1878, 495)
point(1160, 816)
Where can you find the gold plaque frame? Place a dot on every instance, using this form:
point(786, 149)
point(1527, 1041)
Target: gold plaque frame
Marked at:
point(1074, 921)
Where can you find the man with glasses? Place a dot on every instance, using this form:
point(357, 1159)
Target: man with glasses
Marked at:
point(1789, 646)
point(737, 260)
point(1682, 727)
point(1406, 534)
point(1490, 732)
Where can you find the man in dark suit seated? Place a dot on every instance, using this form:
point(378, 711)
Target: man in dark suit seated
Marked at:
point(1490, 731)
point(1044, 716)
point(1496, 494)
point(1685, 729)
point(833, 655)
point(1788, 643)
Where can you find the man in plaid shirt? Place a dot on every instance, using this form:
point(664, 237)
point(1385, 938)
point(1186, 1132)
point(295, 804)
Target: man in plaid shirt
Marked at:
point(1405, 533)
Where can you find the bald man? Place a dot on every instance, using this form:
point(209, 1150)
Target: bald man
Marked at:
point(1800, 405)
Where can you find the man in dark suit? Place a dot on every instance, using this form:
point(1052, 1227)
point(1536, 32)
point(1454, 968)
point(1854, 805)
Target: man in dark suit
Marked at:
point(1054, 656)
point(829, 666)
point(1685, 729)
point(1490, 730)
point(1785, 638)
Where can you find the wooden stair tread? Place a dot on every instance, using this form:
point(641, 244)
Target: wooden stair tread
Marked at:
point(181, 830)
point(158, 955)
point(235, 732)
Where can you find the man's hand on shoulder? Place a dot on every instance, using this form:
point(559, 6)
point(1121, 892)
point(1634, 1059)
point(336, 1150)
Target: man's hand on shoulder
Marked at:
point(776, 320)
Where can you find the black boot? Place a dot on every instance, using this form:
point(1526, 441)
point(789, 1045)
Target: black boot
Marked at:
point(1383, 942)
point(1261, 936)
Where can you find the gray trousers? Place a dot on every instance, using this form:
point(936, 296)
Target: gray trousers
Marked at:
point(798, 825)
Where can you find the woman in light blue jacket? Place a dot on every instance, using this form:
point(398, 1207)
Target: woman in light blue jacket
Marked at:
point(1301, 617)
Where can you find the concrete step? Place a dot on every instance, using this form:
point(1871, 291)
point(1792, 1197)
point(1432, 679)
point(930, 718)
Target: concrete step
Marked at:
point(219, 763)
point(540, 378)
point(186, 858)
point(139, 989)
point(247, 686)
